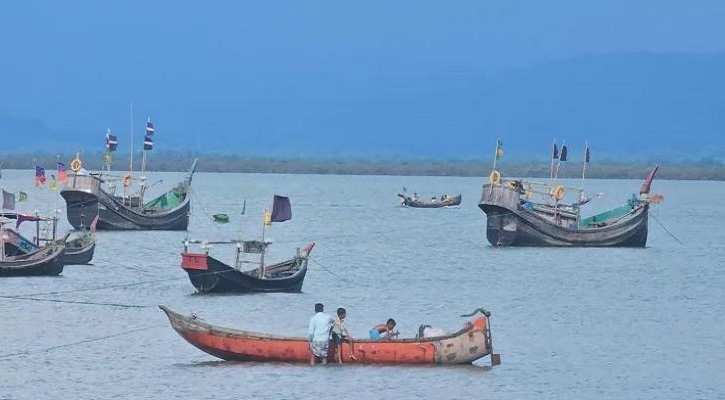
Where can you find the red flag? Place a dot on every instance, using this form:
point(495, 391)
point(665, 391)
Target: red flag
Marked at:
point(62, 173)
point(39, 176)
point(93, 224)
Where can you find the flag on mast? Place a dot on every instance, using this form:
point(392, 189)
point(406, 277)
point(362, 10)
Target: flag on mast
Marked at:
point(499, 149)
point(62, 173)
point(39, 175)
point(111, 141)
point(148, 142)
point(563, 153)
point(281, 209)
point(8, 200)
point(555, 152)
point(586, 157)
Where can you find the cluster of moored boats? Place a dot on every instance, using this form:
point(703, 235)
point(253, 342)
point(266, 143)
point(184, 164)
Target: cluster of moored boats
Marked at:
point(514, 218)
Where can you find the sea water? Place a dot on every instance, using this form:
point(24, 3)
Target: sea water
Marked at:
point(575, 323)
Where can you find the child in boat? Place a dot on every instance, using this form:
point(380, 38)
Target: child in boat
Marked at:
point(341, 334)
point(383, 331)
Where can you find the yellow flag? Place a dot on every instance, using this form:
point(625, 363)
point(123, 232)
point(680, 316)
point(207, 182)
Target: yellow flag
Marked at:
point(53, 185)
point(267, 219)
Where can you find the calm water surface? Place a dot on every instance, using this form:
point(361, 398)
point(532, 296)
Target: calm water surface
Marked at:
point(569, 323)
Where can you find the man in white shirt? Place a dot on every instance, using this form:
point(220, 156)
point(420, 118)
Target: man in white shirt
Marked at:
point(319, 334)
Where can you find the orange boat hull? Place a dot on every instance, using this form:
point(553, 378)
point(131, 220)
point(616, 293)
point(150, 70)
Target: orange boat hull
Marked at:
point(463, 347)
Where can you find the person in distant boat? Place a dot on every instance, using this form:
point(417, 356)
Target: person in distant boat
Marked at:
point(384, 331)
point(444, 197)
point(433, 199)
point(415, 196)
point(319, 334)
point(341, 334)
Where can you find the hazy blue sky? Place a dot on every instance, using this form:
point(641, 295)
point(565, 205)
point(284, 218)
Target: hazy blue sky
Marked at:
point(291, 69)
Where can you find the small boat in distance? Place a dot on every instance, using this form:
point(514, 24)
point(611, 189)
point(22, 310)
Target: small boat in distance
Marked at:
point(515, 219)
point(465, 346)
point(445, 201)
point(210, 275)
point(95, 194)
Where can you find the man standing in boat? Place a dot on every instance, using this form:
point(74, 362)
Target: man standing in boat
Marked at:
point(319, 333)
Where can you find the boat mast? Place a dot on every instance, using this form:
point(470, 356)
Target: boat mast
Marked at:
point(495, 153)
point(2, 240)
point(584, 164)
point(581, 190)
point(107, 156)
point(553, 157)
point(130, 167)
point(264, 229)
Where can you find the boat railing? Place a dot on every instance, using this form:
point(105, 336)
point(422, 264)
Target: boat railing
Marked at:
point(84, 183)
point(500, 196)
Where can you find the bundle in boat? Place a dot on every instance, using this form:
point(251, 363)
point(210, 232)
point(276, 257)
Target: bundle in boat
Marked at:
point(465, 346)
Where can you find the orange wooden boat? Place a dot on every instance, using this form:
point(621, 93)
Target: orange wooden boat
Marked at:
point(463, 347)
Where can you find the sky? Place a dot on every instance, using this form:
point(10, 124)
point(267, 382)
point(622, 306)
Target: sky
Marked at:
point(308, 77)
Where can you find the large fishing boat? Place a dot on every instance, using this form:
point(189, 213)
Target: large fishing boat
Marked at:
point(465, 346)
point(515, 219)
point(211, 275)
point(90, 194)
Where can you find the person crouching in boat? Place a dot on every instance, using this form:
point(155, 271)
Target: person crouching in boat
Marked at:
point(384, 331)
point(319, 333)
point(341, 334)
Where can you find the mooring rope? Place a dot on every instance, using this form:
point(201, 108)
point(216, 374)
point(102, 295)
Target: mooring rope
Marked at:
point(330, 271)
point(73, 302)
point(47, 349)
point(665, 229)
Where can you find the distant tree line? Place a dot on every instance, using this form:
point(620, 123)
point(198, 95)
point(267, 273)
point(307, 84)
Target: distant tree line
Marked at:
point(181, 161)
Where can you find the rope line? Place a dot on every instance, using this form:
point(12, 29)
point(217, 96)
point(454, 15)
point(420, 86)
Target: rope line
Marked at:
point(330, 271)
point(665, 229)
point(47, 349)
point(73, 302)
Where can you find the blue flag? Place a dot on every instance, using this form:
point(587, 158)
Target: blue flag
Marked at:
point(281, 209)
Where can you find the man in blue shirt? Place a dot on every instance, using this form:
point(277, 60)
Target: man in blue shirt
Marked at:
point(319, 334)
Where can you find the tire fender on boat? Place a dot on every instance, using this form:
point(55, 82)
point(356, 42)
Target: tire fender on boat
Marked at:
point(495, 178)
point(76, 164)
point(127, 180)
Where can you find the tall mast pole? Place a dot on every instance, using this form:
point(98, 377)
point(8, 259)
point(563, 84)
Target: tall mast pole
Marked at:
point(584, 164)
point(131, 163)
point(495, 154)
point(551, 169)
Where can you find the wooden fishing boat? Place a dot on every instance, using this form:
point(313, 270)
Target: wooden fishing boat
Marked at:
point(465, 346)
point(447, 202)
point(84, 195)
point(47, 260)
point(514, 219)
point(78, 250)
point(209, 275)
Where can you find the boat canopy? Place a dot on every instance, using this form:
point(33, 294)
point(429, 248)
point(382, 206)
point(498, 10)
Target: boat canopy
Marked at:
point(167, 201)
point(609, 215)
